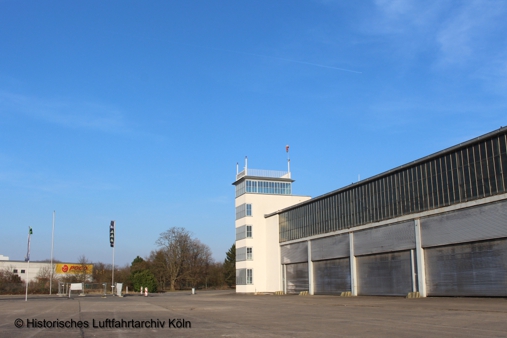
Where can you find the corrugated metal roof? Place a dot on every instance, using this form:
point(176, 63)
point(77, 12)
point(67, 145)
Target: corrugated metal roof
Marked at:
point(500, 131)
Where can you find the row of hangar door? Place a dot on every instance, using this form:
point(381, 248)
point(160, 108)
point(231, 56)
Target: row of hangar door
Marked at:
point(467, 269)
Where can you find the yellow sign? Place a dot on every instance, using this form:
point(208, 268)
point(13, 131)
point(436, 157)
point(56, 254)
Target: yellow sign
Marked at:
point(73, 269)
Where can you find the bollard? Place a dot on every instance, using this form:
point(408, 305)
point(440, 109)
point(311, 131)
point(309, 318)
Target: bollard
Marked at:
point(193, 291)
point(141, 291)
point(146, 292)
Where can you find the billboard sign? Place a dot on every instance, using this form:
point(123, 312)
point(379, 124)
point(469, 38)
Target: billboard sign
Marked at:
point(72, 269)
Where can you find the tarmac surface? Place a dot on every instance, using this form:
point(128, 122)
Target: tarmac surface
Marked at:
point(226, 314)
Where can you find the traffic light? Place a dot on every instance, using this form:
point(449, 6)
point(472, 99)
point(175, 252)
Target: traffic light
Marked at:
point(111, 234)
point(30, 231)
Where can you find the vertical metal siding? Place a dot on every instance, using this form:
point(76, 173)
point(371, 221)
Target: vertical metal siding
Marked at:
point(395, 237)
point(330, 247)
point(385, 274)
point(468, 173)
point(294, 253)
point(331, 276)
point(471, 224)
point(470, 269)
point(297, 277)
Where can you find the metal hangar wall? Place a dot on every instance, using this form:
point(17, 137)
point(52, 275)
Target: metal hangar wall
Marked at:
point(437, 225)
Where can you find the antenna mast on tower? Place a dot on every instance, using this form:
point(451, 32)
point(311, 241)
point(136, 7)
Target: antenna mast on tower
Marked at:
point(288, 158)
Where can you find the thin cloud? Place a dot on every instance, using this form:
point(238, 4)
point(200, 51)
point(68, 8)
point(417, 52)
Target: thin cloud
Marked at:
point(456, 29)
point(66, 113)
point(458, 37)
point(395, 8)
point(294, 61)
point(38, 181)
point(275, 58)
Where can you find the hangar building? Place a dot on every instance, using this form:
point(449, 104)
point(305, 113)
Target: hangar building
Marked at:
point(437, 225)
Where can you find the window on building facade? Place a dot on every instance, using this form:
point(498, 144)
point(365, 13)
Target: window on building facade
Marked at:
point(22, 271)
point(240, 276)
point(240, 189)
point(244, 231)
point(15, 271)
point(240, 254)
point(249, 254)
point(263, 187)
point(243, 210)
point(249, 276)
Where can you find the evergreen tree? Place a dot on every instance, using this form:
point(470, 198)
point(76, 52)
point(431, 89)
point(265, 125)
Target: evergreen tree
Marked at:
point(138, 264)
point(230, 266)
point(140, 275)
point(145, 279)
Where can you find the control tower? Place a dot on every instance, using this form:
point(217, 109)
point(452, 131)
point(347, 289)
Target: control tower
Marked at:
point(258, 193)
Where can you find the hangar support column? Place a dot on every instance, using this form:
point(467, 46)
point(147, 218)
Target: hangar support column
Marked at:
point(421, 267)
point(352, 259)
point(310, 269)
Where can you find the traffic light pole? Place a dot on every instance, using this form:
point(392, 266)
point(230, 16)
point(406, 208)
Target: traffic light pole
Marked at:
point(111, 242)
point(112, 278)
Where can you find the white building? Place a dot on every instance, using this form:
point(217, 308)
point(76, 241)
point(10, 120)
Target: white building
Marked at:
point(21, 268)
point(36, 269)
point(258, 193)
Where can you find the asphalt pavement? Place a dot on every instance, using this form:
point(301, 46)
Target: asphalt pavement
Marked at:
point(226, 314)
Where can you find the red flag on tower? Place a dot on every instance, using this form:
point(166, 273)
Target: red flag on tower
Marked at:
point(287, 148)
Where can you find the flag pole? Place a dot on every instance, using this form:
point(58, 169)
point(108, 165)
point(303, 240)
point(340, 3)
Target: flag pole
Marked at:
point(288, 159)
point(28, 266)
point(52, 244)
point(26, 290)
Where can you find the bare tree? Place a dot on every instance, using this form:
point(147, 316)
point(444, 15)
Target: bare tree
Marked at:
point(183, 258)
point(157, 266)
point(10, 282)
point(175, 244)
point(101, 272)
point(216, 276)
point(199, 260)
point(83, 275)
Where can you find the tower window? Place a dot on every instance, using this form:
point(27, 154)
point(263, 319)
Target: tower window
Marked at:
point(249, 276)
point(243, 210)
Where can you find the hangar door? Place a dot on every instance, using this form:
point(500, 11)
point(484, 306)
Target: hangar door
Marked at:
point(388, 274)
point(296, 277)
point(331, 276)
point(295, 265)
point(469, 269)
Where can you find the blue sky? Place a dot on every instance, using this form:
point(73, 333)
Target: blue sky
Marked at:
point(139, 110)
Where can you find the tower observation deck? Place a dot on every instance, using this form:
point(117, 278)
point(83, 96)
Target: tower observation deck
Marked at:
point(259, 181)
